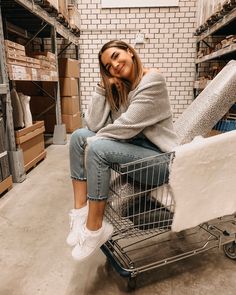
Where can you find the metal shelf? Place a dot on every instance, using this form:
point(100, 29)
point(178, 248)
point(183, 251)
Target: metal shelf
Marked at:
point(217, 54)
point(26, 19)
point(23, 12)
point(224, 21)
point(3, 89)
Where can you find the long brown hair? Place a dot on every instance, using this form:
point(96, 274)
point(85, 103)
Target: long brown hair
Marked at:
point(117, 98)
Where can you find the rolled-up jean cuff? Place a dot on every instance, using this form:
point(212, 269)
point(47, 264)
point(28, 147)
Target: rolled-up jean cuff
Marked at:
point(80, 179)
point(101, 198)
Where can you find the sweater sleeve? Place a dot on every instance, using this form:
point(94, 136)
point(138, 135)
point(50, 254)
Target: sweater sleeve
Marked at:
point(98, 111)
point(149, 104)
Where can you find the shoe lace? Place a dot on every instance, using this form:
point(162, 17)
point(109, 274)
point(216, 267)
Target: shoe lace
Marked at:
point(72, 216)
point(82, 236)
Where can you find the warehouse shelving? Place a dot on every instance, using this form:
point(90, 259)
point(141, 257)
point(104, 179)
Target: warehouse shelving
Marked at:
point(221, 53)
point(216, 46)
point(222, 28)
point(28, 20)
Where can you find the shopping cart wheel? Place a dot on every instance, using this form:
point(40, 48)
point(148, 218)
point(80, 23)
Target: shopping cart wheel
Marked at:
point(131, 284)
point(230, 250)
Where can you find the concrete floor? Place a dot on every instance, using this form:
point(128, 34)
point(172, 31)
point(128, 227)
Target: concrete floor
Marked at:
point(35, 260)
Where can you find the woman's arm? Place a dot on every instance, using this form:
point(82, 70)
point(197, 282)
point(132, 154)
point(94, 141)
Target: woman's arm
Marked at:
point(149, 105)
point(98, 110)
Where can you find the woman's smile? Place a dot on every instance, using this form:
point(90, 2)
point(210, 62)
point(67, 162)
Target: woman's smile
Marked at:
point(119, 63)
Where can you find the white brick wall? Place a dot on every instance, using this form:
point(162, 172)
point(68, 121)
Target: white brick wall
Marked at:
point(169, 44)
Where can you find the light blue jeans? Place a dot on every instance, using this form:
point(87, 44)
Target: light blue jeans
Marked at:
point(100, 154)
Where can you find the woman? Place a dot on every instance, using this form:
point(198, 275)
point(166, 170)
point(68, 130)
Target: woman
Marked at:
point(129, 118)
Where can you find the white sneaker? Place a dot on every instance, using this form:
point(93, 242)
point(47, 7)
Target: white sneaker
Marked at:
point(78, 218)
point(90, 243)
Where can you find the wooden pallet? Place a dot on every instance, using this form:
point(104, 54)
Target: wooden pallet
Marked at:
point(35, 161)
point(6, 185)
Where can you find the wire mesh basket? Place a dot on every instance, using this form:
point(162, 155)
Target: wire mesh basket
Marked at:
point(140, 200)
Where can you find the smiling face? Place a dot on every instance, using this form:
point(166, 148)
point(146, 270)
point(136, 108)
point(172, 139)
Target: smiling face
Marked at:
point(119, 63)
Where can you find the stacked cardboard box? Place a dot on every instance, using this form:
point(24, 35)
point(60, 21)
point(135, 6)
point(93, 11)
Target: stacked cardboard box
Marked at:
point(47, 61)
point(70, 107)
point(48, 3)
point(27, 68)
point(74, 16)
point(5, 177)
point(31, 141)
point(63, 10)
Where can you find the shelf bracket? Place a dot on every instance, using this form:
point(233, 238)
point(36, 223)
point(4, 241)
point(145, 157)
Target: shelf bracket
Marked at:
point(64, 49)
point(207, 44)
point(36, 34)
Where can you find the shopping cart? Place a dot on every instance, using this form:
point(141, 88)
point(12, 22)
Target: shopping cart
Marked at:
point(141, 206)
point(141, 209)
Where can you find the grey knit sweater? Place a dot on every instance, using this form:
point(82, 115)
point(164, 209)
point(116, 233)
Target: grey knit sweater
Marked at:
point(148, 112)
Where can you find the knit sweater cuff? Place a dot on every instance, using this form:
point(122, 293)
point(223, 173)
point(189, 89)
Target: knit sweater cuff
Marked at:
point(100, 90)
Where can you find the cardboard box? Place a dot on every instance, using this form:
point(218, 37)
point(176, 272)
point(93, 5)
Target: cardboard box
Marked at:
point(6, 184)
point(70, 105)
point(11, 44)
point(31, 141)
point(74, 16)
point(69, 87)
point(68, 68)
point(72, 122)
point(44, 55)
point(62, 8)
point(35, 74)
point(54, 3)
point(19, 76)
point(18, 69)
point(12, 50)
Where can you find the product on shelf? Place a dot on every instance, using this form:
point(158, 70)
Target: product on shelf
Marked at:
point(68, 68)
point(48, 4)
point(25, 102)
point(17, 111)
point(63, 10)
point(31, 141)
point(40, 66)
point(74, 16)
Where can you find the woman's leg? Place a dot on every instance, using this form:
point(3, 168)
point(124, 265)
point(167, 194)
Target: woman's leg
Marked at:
point(78, 143)
point(80, 193)
point(100, 155)
point(95, 216)
point(78, 215)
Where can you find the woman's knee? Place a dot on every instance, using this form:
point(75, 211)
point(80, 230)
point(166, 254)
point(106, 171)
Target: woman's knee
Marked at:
point(79, 135)
point(96, 151)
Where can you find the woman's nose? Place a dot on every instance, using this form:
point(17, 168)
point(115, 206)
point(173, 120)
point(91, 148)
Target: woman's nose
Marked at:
point(115, 64)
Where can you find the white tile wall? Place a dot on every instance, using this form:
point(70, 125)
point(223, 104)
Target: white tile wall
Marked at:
point(169, 44)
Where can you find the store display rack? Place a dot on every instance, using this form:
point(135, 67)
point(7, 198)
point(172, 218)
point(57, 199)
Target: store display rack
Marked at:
point(27, 20)
point(216, 46)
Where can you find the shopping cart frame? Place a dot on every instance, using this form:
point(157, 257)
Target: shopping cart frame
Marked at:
point(137, 227)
